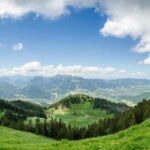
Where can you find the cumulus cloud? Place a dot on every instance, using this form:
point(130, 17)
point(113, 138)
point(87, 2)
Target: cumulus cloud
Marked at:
point(36, 68)
point(128, 18)
point(47, 8)
point(145, 61)
point(17, 47)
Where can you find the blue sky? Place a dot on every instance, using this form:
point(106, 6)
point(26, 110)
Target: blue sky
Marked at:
point(73, 39)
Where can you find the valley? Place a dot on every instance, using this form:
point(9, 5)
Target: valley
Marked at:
point(47, 90)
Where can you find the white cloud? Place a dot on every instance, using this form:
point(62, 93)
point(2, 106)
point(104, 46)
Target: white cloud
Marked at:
point(146, 61)
point(128, 18)
point(35, 68)
point(17, 47)
point(47, 8)
point(122, 71)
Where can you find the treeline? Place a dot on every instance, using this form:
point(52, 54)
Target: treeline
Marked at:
point(59, 130)
point(20, 110)
point(97, 103)
point(71, 99)
point(110, 107)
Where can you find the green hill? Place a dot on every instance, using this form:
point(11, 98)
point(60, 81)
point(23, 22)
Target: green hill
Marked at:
point(134, 138)
point(82, 110)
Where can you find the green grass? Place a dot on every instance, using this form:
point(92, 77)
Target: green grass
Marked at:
point(135, 138)
point(85, 114)
point(13, 140)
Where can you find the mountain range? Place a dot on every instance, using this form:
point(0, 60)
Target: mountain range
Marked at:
point(49, 89)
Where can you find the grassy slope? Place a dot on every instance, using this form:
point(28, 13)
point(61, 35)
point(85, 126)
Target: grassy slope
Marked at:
point(135, 138)
point(85, 114)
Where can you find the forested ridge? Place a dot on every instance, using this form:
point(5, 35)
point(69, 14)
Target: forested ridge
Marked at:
point(59, 130)
point(20, 110)
point(97, 103)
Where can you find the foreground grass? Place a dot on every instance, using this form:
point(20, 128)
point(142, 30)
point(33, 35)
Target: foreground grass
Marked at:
point(135, 138)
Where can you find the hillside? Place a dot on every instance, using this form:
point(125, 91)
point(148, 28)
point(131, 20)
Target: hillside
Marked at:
point(19, 110)
point(136, 137)
point(82, 110)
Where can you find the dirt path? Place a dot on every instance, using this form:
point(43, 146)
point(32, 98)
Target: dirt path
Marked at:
point(85, 114)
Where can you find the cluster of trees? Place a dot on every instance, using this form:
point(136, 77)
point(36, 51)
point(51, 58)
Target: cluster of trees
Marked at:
point(22, 108)
point(110, 107)
point(59, 130)
point(67, 101)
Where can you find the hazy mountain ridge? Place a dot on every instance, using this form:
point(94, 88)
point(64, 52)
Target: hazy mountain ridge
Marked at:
point(46, 89)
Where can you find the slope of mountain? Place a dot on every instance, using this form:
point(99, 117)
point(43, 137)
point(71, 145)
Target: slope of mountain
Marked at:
point(7, 89)
point(20, 110)
point(82, 110)
point(46, 90)
point(136, 137)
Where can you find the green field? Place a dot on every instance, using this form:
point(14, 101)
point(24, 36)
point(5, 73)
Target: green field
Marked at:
point(135, 138)
point(79, 115)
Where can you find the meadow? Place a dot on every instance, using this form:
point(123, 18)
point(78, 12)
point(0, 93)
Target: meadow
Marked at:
point(80, 114)
point(134, 138)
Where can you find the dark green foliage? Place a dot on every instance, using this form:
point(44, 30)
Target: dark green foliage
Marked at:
point(23, 108)
point(109, 106)
point(59, 130)
point(142, 111)
point(33, 109)
point(67, 101)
